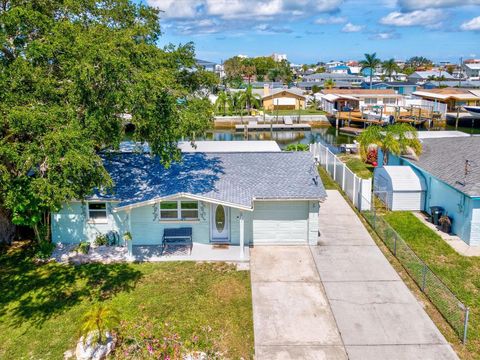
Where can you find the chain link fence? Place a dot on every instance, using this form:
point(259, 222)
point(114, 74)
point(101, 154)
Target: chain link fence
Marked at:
point(453, 310)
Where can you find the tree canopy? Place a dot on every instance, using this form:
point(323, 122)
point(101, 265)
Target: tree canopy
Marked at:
point(71, 73)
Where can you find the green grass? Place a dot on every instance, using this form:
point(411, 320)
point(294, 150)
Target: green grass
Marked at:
point(461, 274)
point(327, 181)
point(41, 306)
point(354, 163)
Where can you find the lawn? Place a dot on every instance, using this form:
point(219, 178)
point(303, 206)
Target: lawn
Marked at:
point(327, 181)
point(202, 306)
point(461, 274)
point(360, 168)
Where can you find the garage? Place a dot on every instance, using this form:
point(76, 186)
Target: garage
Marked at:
point(280, 222)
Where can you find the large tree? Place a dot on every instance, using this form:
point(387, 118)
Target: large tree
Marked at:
point(71, 73)
point(370, 62)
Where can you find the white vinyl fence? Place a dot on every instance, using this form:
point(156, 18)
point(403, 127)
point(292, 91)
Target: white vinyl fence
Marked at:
point(358, 190)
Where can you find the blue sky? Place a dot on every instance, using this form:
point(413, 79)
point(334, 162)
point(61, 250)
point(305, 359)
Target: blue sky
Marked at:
point(321, 30)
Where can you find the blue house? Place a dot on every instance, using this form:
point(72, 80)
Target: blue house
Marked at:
point(450, 168)
point(403, 88)
point(235, 198)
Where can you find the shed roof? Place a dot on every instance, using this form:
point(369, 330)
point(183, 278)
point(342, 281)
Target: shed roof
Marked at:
point(445, 159)
point(234, 179)
point(403, 178)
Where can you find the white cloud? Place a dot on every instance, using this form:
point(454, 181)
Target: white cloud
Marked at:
point(350, 28)
point(331, 20)
point(385, 35)
point(428, 4)
point(430, 18)
point(243, 9)
point(472, 25)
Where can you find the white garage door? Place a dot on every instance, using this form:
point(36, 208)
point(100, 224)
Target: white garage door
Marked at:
point(279, 222)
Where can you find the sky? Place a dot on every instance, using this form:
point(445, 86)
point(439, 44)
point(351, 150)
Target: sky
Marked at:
point(309, 31)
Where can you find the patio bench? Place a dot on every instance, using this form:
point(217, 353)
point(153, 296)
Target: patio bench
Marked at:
point(177, 237)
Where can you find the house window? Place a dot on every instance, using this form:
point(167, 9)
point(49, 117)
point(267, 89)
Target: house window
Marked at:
point(97, 212)
point(370, 101)
point(389, 101)
point(179, 210)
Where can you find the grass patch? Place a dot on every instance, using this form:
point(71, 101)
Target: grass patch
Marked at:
point(41, 306)
point(327, 181)
point(354, 163)
point(461, 274)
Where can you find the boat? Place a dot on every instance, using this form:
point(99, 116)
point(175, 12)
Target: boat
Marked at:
point(473, 110)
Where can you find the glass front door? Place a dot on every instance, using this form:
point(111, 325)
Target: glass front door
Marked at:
point(220, 221)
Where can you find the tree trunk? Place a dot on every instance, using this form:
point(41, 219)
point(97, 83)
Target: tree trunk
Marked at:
point(7, 228)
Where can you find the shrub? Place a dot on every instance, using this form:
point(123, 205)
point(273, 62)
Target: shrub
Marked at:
point(44, 250)
point(83, 247)
point(297, 147)
point(372, 155)
point(100, 240)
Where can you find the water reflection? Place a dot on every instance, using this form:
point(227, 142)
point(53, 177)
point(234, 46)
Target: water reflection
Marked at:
point(324, 135)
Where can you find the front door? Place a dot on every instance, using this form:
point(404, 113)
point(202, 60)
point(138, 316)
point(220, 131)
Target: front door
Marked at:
point(220, 223)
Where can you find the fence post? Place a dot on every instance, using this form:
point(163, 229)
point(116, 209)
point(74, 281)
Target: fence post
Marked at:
point(424, 277)
point(343, 177)
point(465, 325)
point(334, 168)
point(353, 193)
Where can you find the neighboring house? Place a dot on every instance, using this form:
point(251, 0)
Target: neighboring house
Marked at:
point(472, 70)
point(233, 198)
point(206, 65)
point(356, 99)
point(447, 99)
point(450, 181)
point(423, 76)
point(344, 78)
point(283, 99)
point(466, 84)
point(308, 85)
point(340, 69)
point(403, 88)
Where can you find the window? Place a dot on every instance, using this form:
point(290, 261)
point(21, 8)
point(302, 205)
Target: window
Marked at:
point(370, 101)
point(97, 212)
point(179, 210)
point(389, 101)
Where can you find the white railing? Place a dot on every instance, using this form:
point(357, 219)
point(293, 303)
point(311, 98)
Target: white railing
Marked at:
point(358, 190)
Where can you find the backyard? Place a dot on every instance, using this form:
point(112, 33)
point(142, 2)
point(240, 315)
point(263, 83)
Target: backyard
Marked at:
point(187, 305)
point(357, 165)
point(461, 274)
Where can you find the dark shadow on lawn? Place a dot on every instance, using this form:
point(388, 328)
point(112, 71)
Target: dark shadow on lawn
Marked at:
point(38, 292)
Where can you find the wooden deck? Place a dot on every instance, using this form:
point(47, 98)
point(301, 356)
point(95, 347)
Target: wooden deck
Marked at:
point(351, 130)
point(272, 127)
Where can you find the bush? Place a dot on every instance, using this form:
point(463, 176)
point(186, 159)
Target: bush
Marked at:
point(297, 147)
point(100, 240)
point(83, 247)
point(44, 250)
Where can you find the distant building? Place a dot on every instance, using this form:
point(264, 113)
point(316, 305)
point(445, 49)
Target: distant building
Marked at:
point(206, 65)
point(423, 76)
point(344, 78)
point(472, 70)
point(447, 99)
point(403, 88)
point(283, 99)
point(340, 69)
point(356, 99)
point(279, 57)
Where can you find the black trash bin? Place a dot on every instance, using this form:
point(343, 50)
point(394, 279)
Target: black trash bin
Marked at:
point(436, 212)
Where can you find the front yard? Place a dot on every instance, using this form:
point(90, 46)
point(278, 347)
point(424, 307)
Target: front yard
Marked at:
point(195, 306)
point(461, 274)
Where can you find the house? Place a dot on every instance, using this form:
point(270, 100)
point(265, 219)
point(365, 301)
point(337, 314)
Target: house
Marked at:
point(450, 169)
point(283, 99)
point(344, 78)
point(447, 99)
point(229, 198)
point(423, 76)
point(308, 85)
point(206, 65)
point(472, 70)
point(340, 69)
point(357, 99)
point(403, 88)
point(465, 84)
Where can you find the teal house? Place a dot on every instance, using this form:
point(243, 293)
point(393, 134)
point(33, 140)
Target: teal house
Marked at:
point(230, 198)
point(450, 170)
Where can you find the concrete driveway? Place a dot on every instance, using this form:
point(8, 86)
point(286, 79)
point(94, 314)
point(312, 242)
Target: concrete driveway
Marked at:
point(291, 315)
point(338, 300)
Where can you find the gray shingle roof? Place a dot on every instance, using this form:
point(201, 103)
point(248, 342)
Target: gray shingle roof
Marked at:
point(445, 159)
point(236, 178)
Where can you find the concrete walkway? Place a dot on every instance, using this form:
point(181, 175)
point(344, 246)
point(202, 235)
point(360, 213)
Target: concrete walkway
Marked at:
point(377, 315)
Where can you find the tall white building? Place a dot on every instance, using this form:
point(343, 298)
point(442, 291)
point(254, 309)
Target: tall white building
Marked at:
point(279, 57)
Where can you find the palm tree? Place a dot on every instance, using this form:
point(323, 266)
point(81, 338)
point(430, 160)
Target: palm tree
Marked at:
point(221, 104)
point(274, 74)
point(390, 67)
point(99, 319)
point(329, 84)
point(370, 62)
point(250, 99)
point(235, 101)
point(396, 139)
point(313, 103)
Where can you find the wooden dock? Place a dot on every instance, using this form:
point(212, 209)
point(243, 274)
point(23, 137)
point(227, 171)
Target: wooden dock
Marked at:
point(272, 127)
point(351, 130)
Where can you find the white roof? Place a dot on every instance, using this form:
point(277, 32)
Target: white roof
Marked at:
point(440, 134)
point(473, 66)
point(403, 178)
point(229, 146)
point(458, 96)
